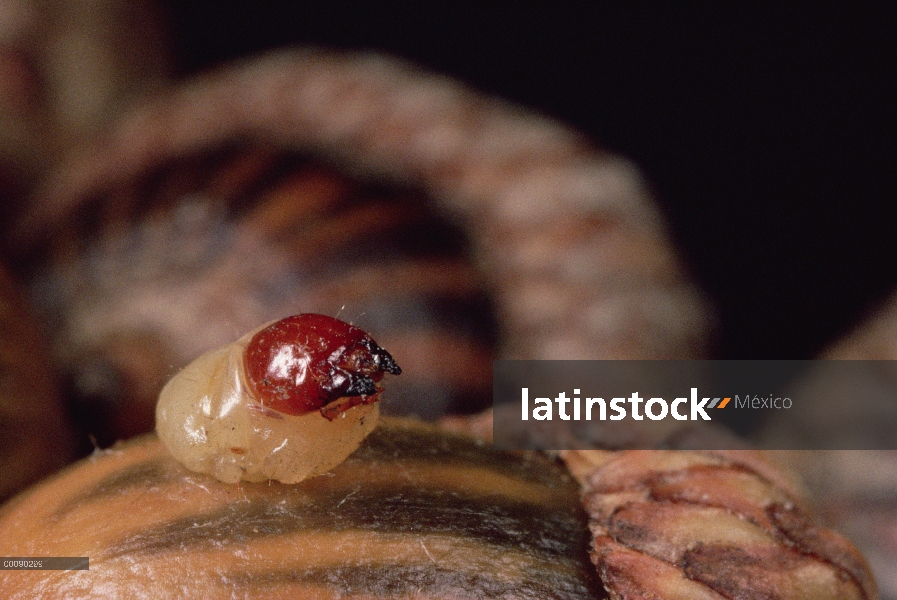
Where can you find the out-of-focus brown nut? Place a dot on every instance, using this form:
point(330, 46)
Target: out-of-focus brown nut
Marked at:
point(360, 187)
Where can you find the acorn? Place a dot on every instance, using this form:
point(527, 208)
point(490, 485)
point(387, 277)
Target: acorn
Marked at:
point(415, 512)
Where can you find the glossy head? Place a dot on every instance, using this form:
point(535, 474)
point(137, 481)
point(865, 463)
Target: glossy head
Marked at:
point(308, 361)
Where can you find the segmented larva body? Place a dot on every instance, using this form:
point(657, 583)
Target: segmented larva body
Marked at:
point(287, 401)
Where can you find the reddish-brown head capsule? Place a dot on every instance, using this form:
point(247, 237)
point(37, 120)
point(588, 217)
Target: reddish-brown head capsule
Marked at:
point(305, 362)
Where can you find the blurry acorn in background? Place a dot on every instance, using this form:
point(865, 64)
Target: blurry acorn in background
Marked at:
point(146, 277)
point(353, 186)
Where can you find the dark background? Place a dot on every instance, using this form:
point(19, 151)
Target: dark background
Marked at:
point(767, 132)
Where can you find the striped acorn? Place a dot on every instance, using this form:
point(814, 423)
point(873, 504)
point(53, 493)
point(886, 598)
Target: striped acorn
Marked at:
point(415, 512)
point(420, 511)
